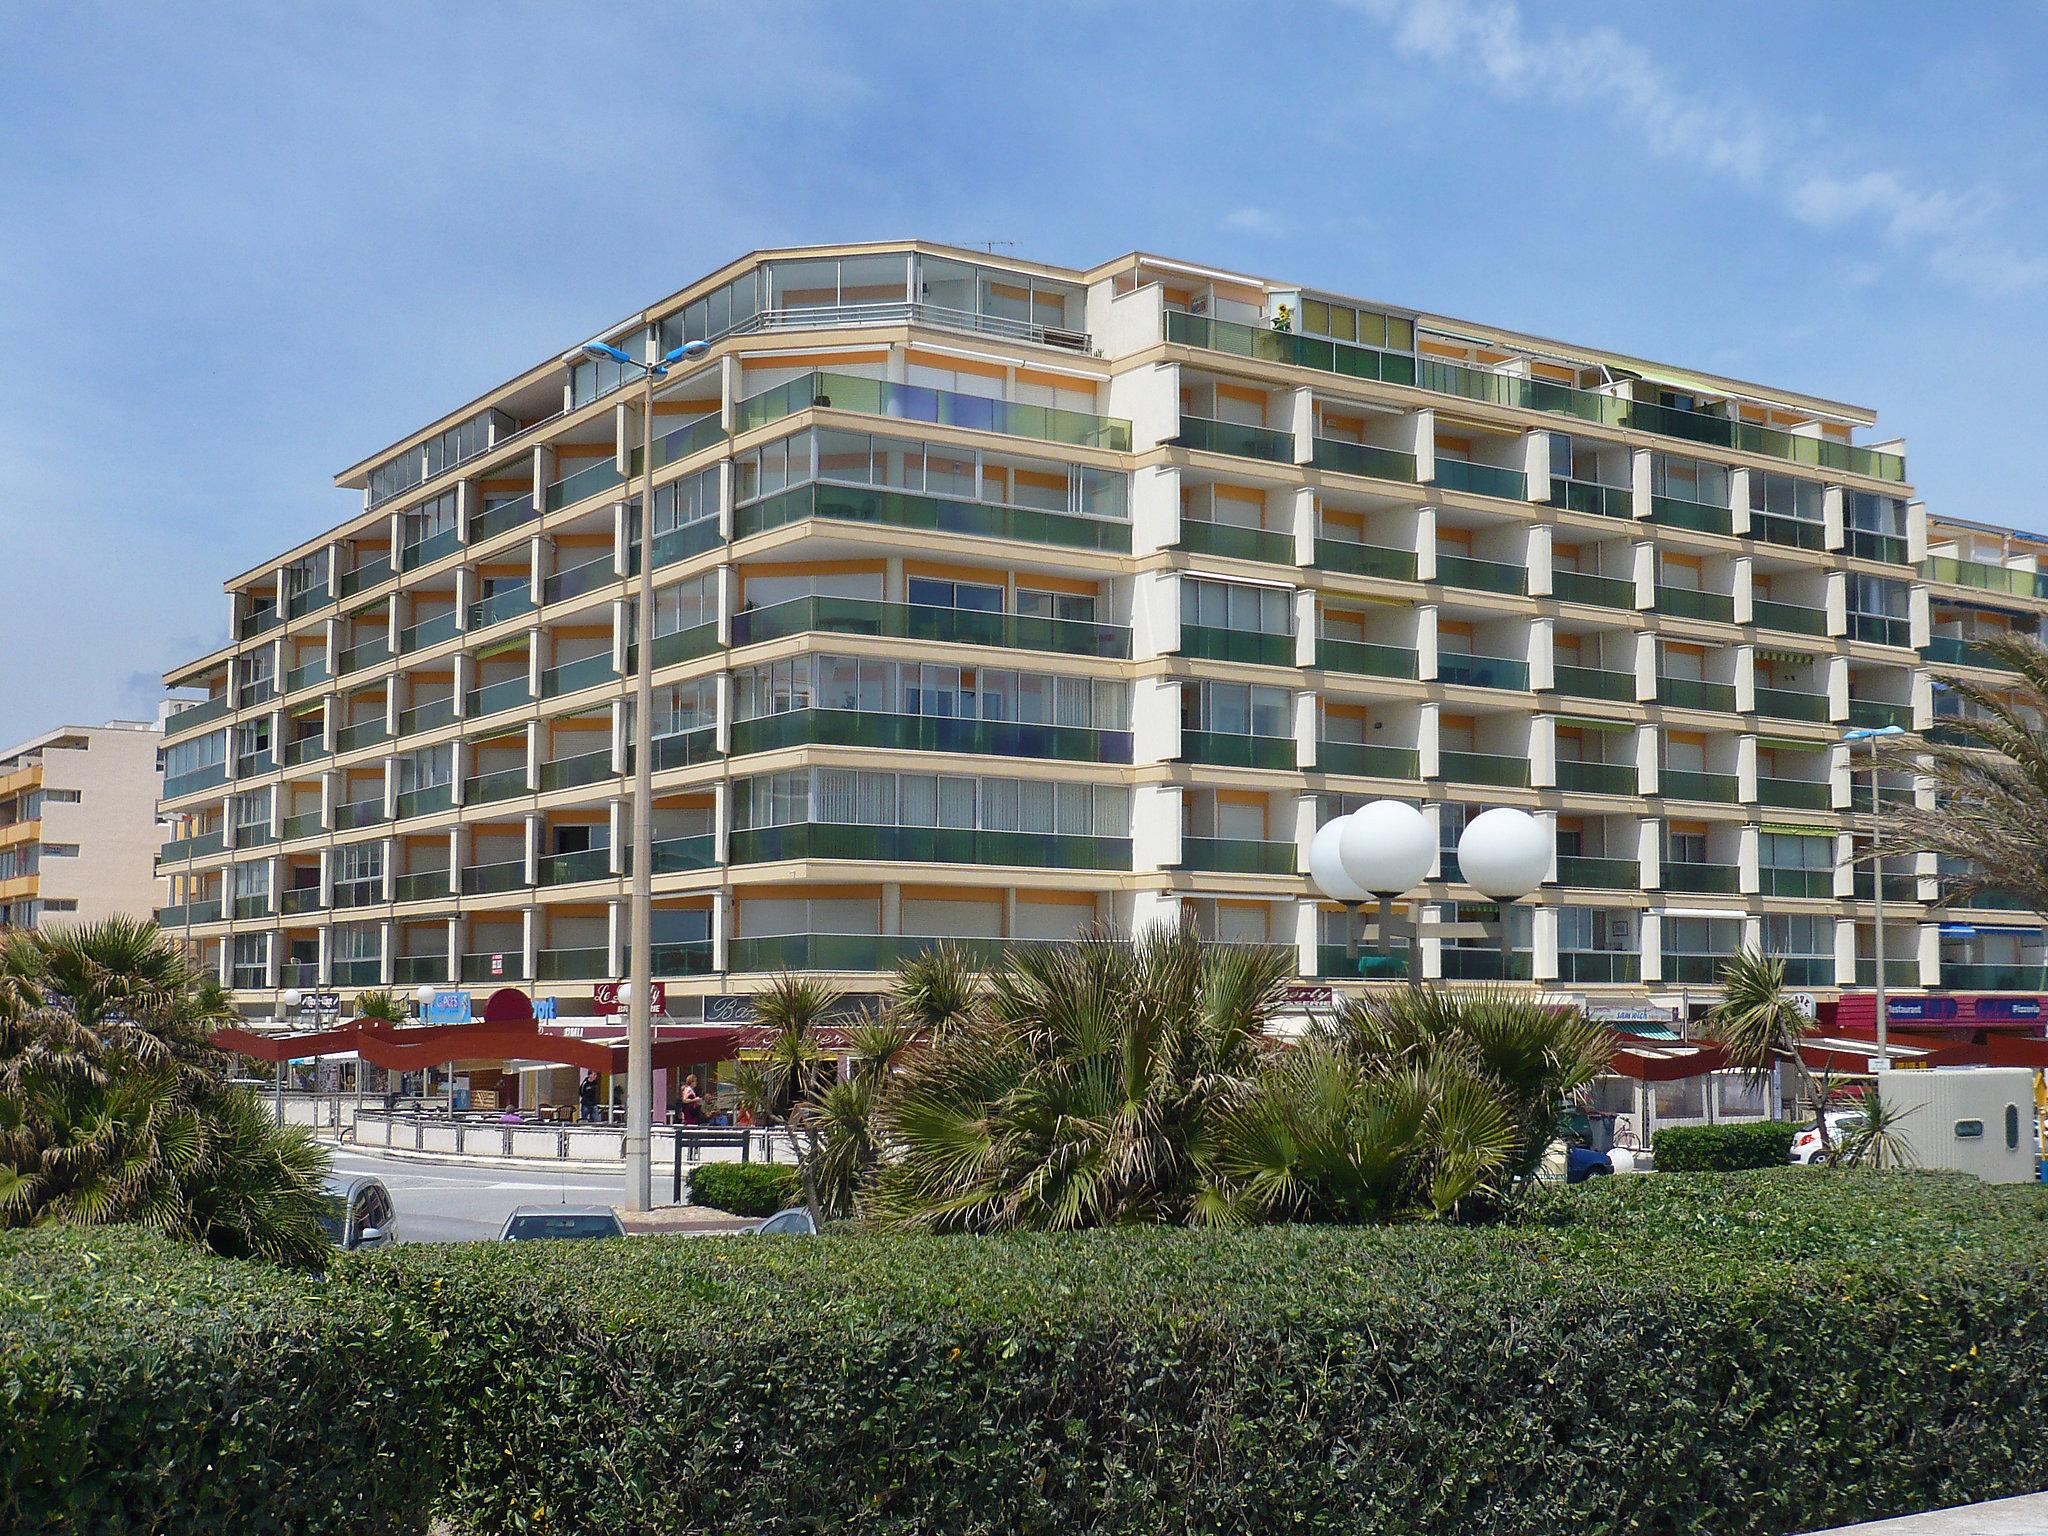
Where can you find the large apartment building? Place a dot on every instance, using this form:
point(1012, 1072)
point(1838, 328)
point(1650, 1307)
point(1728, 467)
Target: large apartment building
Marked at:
point(78, 825)
point(998, 600)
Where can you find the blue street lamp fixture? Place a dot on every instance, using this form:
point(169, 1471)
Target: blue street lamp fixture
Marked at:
point(639, 990)
point(1871, 735)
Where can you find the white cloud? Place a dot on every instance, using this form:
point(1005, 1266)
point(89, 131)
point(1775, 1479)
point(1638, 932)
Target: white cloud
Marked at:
point(1253, 221)
point(1953, 231)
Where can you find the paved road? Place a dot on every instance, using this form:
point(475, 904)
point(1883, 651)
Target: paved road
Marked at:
point(452, 1202)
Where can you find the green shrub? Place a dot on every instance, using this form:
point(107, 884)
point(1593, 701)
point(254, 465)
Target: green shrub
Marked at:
point(1724, 1148)
point(147, 1386)
point(745, 1189)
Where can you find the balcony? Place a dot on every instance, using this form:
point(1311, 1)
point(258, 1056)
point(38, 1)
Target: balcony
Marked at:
point(1594, 966)
point(422, 885)
point(1685, 603)
point(358, 893)
point(1592, 498)
point(1897, 973)
point(944, 626)
point(492, 698)
point(501, 518)
point(1872, 714)
point(857, 951)
point(592, 480)
point(929, 733)
point(1866, 544)
point(1699, 516)
point(1984, 577)
point(1596, 683)
point(683, 855)
point(1698, 879)
point(1694, 970)
point(412, 970)
point(1483, 768)
point(360, 813)
point(1970, 976)
point(1460, 963)
point(1585, 872)
point(495, 966)
point(303, 824)
point(1482, 575)
point(681, 749)
point(260, 690)
point(1238, 856)
point(358, 972)
point(363, 733)
point(1693, 693)
point(1876, 629)
point(257, 905)
point(429, 716)
point(1467, 671)
point(1229, 749)
point(1820, 452)
point(911, 402)
point(369, 574)
point(904, 509)
point(1955, 651)
point(574, 772)
point(1788, 618)
point(261, 622)
point(1794, 794)
point(684, 957)
point(434, 547)
point(1577, 776)
point(575, 868)
point(1363, 658)
point(1251, 647)
point(1481, 479)
point(1362, 459)
point(1367, 964)
point(1600, 591)
point(494, 879)
point(579, 579)
point(928, 845)
point(499, 784)
point(1709, 788)
point(306, 674)
point(1788, 532)
point(254, 765)
point(680, 543)
point(307, 749)
point(300, 899)
point(1274, 346)
point(425, 802)
point(1899, 888)
point(1234, 438)
point(1783, 704)
point(677, 645)
point(205, 712)
point(181, 849)
point(189, 914)
point(1356, 559)
point(1232, 542)
point(303, 602)
point(575, 676)
point(368, 653)
point(1355, 759)
point(432, 631)
point(209, 777)
point(1809, 970)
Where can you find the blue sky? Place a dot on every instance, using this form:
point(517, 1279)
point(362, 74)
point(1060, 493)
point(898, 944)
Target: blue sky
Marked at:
point(243, 246)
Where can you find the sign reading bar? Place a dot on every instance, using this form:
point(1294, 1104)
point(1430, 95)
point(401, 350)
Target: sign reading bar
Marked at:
point(605, 998)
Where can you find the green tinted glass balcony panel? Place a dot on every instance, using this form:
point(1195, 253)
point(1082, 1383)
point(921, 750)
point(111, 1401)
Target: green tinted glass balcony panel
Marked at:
point(506, 693)
point(501, 784)
point(360, 813)
point(498, 966)
point(1364, 659)
point(1809, 970)
point(1237, 645)
point(1461, 964)
point(1809, 884)
point(1360, 760)
point(950, 626)
point(488, 879)
point(1273, 346)
point(307, 749)
point(1595, 683)
point(304, 824)
point(574, 676)
point(430, 716)
point(193, 716)
point(301, 899)
point(1699, 516)
point(1788, 618)
point(1791, 532)
point(1709, 788)
point(681, 855)
point(592, 480)
point(1584, 587)
point(1245, 442)
point(365, 576)
point(364, 733)
point(411, 970)
point(679, 544)
point(1593, 967)
point(1691, 693)
point(1596, 778)
point(253, 906)
point(254, 835)
point(501, 517)
point(574, 868)
point(261, 622)
point(684, 644)
point(1235, 543)
point(1694, 970)
point(1699, 879)
point(1356, 559)
point(1483, 768)
point(1481, 575)
point(1599, 874)
point(1993, 901)
point(426, 802)
point(686, 957)
point(1338, 962)
point(1951, 651)
point(902, 509)
point(1976, 976)
point(369, 653)
point(572, 964)
point(929, 733)
point(1873, 715)
point(440, 627)
point(500, 606)
point(1227, 749)
point(358, 893)
point(1238, 855)
point(209, 777)
point(584, 768)
point(1783, 704)
point(254, 765)
point(303, 603)
point(680, 749)
point(1481, 479)
point(358, 973)
point(1984, 576)
point(1684, 603)
point(1519, 391)
point(1591, 498)
point(1897, 973)
point(1794, 794)
point(260, 691)
point(679, 443)
point(1362, 459)
point(429, 549)
point(1878, 630)
point(1866, 545)
point(306, 674)
point(1896, 887)
point(858, 951)
point(929, 845)
point(912, 402)
point(423, 885)
point(579, 579)
point(1481, 671)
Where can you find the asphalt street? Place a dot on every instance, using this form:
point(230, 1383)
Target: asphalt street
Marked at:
point(453, 1202)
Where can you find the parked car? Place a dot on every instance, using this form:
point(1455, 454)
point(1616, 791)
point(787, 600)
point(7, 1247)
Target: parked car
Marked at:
point(358, 1212)
point(1806, 1146)
point(1568, 1162)
point(794, 1222)
point(530, 1223)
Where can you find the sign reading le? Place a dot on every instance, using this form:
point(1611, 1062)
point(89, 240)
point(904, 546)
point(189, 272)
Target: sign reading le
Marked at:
point(604, 998)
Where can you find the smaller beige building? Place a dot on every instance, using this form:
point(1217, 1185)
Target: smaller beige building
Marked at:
point(79, 833)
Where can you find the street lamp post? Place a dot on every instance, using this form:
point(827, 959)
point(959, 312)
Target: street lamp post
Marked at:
point(1504, 854)
point(1379, 850)
point(291, 997)
point(640, 928)
point(1871, 735)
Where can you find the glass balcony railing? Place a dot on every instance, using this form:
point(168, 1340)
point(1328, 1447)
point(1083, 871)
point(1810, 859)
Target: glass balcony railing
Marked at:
point(855, 951)
point(929, 733)
point(1791, 532)
point(1865, 544)
point(1974, 976)
point(1594, 966)
point(1459, 963)
point(1356, 559)
point(368, 574)
point(425, 802)
point(1809, 970)
point(1896, 887)
point(1363, 658)
point(1693, 693)
point(592, 480)
point(589, 964)
point(303, 602)
point(1595, 683)
point(421, 885)
point(1238, 855)
point(574, 772)
point(495, 966)
point(425, 552)
point(256, 904)
point(677, 645)
point(1784, 704)
point(1273, 346)
point(1699, 516)
point(1481, 575)
point(1591, 498)
point(306, 674)
point(579, 579)
point(575, 868)
point(360, 813)
point(1688, 784)
point(259, 690)
point(500, 606)
point(411, 970)
point(205, 712)
point(912, 402)
point(1685, 603)
point(1897, 973)
point(307, 749)
point(1362, 459)
point(1244, 645)
point(1992, 901)
point(498, 784)
point(681, 957)
point(180, 849)
point(1788, 618)
point(1365, 964)
point(494, 879)
point(1807, 884)
point(1871, 714)
point(363, 733)
point(209, 777)
point(1699, 879)
point(506, 693)
point(1483, 768)
point(428, 716)
point(928, 845)
point(358, 972)
point(575, 676)
point(189, 914)
point(501, 517)
point(349, 894)
point(1983, 576)
point(260, 622)
point(681, 749)
point(1481, 479)
point(1234, 438)
point(682, 855)
point(302, 898)
point(1877, 629)
point(1589, 778)
point(301, 824)
point(1955, 651)
point(1232, 542)
point(677, 544)
point(904, 509)
point(1482, 671)
point(1794, 794)
point(1820, 452)
point(1357, 759)
point(1694, 970)
point(429, 631)
point(1228, 749)
point(1585, 587)
point(1599, 874)
point(368, 653)
point(947, 626)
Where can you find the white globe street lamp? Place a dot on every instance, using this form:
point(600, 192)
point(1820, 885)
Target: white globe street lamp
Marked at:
point(1379, 850)
point(423, 994)
point(1504, 854)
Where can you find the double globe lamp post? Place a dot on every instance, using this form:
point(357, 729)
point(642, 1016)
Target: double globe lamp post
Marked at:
point(1385, 848)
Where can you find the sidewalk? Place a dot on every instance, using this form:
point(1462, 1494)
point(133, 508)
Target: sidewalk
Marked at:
point(2023, 1516)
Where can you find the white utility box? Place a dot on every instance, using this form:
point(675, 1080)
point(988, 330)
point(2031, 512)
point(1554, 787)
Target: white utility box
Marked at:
point(1973, 1119)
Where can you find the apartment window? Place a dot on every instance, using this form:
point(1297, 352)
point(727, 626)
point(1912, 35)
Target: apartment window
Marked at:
point(686, 605)
point(1786, 496)
point(682, 503)
point(1689, 479)
point(1237, 709)
point(716, 313)
point(53, 796)
point(1870, 513)
point(251, 809)
point(196, 755)
point(1229, 605)
point(60, 904)
point(1685, 847)
point(357, 942)
point(862, 798)
point(593, 378)
point(979, 597)
point(1803, 935)
point(1074, 607)
point(1876, 597)
point(430, 517)
point(997, 294)
point(357, 863)
point(253, 878)
point(907, 464)
point(1346, 322)
point(428, 768)
point(1780, 850)
point(887, 687)
point(685, 707)
point(1718, 937)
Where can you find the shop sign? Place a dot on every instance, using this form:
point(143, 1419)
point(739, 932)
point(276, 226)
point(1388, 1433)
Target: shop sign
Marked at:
point(447, 1008)
point(605, 998)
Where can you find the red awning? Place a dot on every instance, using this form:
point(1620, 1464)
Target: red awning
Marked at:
point(409, 1049)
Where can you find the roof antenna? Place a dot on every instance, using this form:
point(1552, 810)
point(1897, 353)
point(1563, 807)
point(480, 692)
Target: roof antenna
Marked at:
point(990, 245)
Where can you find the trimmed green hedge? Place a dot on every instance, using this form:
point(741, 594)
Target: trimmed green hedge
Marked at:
point(147, 1386)
point(1750, 1353)
point(744, 1189)
point(1724, 1148)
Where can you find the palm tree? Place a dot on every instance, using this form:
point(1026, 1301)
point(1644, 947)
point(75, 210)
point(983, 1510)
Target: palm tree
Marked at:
point(380, 1007)
point(777, 1085)
point(1991, 781)
point(1877, 1140)
point(937, 990)
point(1757, 1028)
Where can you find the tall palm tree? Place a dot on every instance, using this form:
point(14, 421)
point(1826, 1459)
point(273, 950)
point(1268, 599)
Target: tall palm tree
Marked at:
point(937, 990)
point(1758, 1028)
point(1991, 781)
point(777, 1085)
